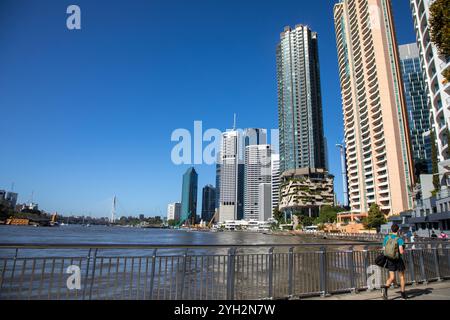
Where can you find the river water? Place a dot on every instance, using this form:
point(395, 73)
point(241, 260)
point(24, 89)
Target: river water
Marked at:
point(121, 273)
point(104, 234)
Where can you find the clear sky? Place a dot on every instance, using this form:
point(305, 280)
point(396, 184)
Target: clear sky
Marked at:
point(88, 114)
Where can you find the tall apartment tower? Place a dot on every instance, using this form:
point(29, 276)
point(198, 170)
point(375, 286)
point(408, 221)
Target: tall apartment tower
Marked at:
point(275, 164)
point(433, 64)
point(208, 202)
point(416, 95)
point(379, 162)
point(299, 100)
point(189, 196)
point(257, 171)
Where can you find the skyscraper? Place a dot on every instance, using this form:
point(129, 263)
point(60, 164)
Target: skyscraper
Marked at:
point(417, 105)
point(257, 171)
point(174, 211)
point(433, 64)
point(231, 201)
point(254, 136)
point(218, 180)
point(299, 100)
point(302, 163)
point(189, 196)
point(275, 164)
point(264, 201)
point(208, 202)
point(379, 164)
point(11, 198)
point(230, 170)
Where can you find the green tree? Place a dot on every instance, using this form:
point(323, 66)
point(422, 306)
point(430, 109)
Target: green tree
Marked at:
point(304, 221)
point(277, 215)
point(440, 29)
point(172, 222)
point(434, 161)
point(375, 218)
point(328, 214)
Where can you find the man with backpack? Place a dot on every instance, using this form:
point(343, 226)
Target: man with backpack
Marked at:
point(393, 247)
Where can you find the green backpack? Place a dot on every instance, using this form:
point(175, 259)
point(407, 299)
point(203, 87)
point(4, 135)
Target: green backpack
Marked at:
point(391, 248)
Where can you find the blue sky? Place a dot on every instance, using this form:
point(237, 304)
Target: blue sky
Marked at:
point(87, 114)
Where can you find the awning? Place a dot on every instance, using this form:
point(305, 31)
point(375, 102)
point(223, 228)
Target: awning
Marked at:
point(418, 220)
point(439, 216)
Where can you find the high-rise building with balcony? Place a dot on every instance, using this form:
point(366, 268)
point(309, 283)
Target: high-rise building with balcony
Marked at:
point(417, 105)
point(275, 163)
point(299, 100)
point(433, 64)
point(257, 171)
point(379, 162)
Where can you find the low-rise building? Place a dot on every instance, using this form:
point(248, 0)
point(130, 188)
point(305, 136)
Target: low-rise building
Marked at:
point(305, 190)
point(432, 214)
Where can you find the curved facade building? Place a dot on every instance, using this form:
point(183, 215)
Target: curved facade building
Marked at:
point(433, 64)
point(378, 153)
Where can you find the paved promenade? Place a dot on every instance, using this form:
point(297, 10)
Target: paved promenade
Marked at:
point(430, 291)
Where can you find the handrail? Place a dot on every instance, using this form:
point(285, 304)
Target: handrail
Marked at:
point(165, 246)
point(177, 246)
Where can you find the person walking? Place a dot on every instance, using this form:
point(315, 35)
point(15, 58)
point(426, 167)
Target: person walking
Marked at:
point(413, 239)
point(394, 247)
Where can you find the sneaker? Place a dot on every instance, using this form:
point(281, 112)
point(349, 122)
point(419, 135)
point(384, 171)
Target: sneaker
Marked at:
point(384, 292)
point(404, 297)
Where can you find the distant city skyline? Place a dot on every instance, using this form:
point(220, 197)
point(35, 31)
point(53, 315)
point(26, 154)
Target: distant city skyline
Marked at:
point(88, 114)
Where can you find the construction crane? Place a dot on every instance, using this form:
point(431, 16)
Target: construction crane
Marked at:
point(212, 219)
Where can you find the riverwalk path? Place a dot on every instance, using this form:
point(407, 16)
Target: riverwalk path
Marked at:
point(430, 291)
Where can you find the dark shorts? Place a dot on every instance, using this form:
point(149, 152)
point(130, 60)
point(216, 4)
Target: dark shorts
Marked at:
point(395, 265)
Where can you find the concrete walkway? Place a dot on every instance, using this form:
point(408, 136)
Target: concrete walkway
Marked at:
point(430, 291)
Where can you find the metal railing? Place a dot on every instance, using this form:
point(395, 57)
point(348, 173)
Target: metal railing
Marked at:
point(349, 236)
point(202, 272)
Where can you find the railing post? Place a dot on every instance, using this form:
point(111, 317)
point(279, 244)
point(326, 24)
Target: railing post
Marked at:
point(411, 266)
point(270, 293)
point(422, 267)
point(366, 263)
point(351, 267)
point(93, 273)
point(87, 273)
point(152, 276)
point(436, 263)
point(13, 269)
point(230, 273)
point(290, 270)
point(323, 272)
point(447, 249)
